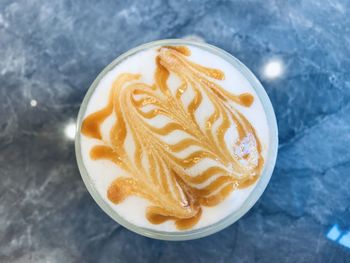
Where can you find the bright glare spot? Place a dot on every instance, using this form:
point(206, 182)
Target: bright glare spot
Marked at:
point(273, 68)
point(69, 131)
point(345, 240)
point(334, 233)
point(338, 236)
point(33, 103)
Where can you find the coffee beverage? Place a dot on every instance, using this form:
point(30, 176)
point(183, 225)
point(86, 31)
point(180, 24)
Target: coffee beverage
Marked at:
point(174, 138)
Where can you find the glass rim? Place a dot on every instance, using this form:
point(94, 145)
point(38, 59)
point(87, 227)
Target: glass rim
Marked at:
point(253, 196)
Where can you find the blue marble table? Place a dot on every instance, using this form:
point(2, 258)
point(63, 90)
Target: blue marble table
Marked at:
point(50, 52)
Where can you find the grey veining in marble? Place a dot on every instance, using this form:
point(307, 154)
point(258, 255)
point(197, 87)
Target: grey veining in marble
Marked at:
point(50, 52)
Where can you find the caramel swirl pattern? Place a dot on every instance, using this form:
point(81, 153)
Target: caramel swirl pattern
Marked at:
point(167, 173)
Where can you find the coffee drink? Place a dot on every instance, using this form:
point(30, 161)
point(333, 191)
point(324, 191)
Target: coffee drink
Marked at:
point(174, 138)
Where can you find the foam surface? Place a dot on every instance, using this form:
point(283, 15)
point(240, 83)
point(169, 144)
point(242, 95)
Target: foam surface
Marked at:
point(104, 172)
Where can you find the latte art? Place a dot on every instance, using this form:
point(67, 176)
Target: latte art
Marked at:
point(180, 160)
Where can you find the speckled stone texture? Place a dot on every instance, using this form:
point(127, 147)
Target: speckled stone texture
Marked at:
point(51, 51)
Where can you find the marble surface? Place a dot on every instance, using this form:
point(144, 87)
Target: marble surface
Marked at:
point(50, 52)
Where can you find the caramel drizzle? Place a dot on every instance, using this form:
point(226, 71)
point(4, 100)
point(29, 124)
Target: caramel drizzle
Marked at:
point(154, 171)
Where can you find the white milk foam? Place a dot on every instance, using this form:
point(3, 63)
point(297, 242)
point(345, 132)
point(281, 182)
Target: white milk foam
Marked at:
point(103, 172)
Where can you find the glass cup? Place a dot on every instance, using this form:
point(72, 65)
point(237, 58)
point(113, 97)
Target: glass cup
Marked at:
point(261, 183)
